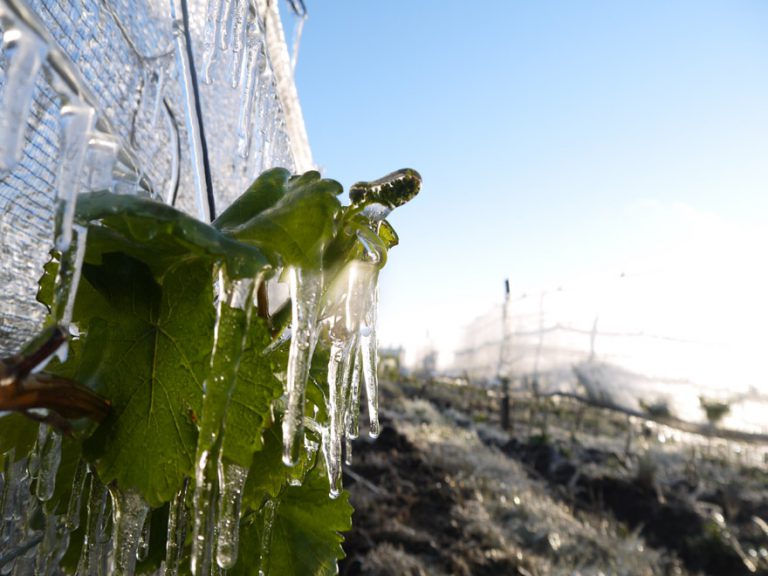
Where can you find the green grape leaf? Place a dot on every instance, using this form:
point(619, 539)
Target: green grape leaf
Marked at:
point(47, 282)
point(19, 432)
point(265, 191)
point(161, 236)
point(152, 356)
point(247, 412)
point(255, 389)
point(388, 234)
point(305, 537)
point(268, 475)
point(300, 225)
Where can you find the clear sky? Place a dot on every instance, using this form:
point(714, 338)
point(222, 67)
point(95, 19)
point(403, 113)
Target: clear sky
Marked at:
point(555, 138)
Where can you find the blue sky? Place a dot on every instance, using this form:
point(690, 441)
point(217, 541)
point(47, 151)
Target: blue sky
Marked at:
point(555, 138)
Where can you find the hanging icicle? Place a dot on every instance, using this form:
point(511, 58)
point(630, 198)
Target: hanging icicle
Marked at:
point(254, 66)
point(49, 450)
point(129, 510)
point(218, 484)
point(25, 53)
point(232, 479)
point(177, 532)
point(305, 290)
point(95, 551)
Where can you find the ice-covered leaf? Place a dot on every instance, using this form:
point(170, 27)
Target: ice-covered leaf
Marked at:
point(17, 432)
point(255, 389)
point(265, 191)
point(388, 234)
point(268, 474)
point(305, 533)
point(300, 225)
point(161, 236)
point(153, 351)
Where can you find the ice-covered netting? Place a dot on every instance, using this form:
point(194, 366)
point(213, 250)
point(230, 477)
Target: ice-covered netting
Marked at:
point(103, 96)
point(672, 342)
point(109, 86)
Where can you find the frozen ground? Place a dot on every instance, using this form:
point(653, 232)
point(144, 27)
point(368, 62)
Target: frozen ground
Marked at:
point(445, 491)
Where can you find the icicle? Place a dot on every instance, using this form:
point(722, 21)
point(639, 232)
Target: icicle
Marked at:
point(177, 532)
point(49, 444)
point(353, 418)
point(209, 37)
point(67, 282)
point(100, 161)
point(143, 548)
point(252, 70)
point(93, 556)
point(231, 481)
point(72, 520)
point(305, 289)
point(203, 504)
point(51, 548)
point(238, 36)
point(296, 42)
point(77, 122)
point(17, 478)
point(369, 352)
point(25, 52)
point(347, 450)
point(129, 510)
point(229, 339)
point(269, 511)
point(341, 351)
point(225, 24)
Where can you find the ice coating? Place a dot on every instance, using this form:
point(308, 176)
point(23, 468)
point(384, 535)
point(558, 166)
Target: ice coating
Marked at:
point(157, 97)
point(177, 532)
point(203, 502)
point(211, 472)
point(369, 354)
point(254, 66)
point(232, 479)
point(76, 124)
point(238, 39)
point(68, 280)
point(338, 381)
point(346, 308)
point(72, 519)
point(390, 191)
point(25, 52)
point(129, 511)
point(305, 288)
point(51, 548)
point(143, 548)
point(191, 121)
point(268, 511)
point(212, 23)
point(100, 160)
point(49, 447)
point(353, 415)
point(94, 553)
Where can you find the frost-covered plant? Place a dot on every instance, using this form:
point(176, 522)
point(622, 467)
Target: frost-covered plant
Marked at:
point(226, 419)
point(714, 410)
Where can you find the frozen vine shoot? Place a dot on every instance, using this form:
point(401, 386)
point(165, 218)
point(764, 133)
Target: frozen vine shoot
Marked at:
point(223, 420)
